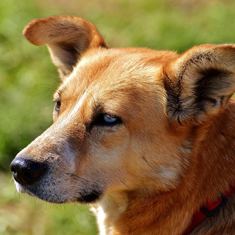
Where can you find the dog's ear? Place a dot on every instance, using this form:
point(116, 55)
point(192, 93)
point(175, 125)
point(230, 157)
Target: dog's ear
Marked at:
point(199, 83)
point(66, 37)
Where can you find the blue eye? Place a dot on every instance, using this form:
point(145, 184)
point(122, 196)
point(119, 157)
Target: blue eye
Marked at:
point(57, 106)
point(106, 119)
point(110, 118)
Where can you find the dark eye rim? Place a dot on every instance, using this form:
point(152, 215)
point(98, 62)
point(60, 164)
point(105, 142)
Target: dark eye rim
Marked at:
point(99, 120)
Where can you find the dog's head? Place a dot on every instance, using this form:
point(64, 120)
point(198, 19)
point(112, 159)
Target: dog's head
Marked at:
point(124, 119)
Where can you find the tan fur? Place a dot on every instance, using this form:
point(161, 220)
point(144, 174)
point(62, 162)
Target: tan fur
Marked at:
point(174, 149)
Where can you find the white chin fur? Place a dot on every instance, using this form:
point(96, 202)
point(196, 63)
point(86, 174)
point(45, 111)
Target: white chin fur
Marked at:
point(19, 188)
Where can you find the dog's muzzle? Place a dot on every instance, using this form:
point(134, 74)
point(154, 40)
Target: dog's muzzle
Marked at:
point(27, 172)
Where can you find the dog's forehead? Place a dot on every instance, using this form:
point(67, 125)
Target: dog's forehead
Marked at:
point(115, 69)
point(116, 76)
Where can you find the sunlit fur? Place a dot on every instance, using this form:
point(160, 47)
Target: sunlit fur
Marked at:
point(174, 149)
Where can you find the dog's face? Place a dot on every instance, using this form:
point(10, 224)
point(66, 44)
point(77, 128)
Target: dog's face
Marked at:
point(123, 120)
point(109, 123)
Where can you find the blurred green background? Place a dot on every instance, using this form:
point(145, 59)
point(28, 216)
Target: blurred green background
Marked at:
point(28, 79)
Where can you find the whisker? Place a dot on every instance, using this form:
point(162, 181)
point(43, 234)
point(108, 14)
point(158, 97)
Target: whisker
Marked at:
point(91, 96)
point(144, 158)
point(77, 205)
point(84, 181)
point(11, 180)
point(125, 184)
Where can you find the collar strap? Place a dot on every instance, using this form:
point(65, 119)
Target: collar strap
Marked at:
point(208, 210)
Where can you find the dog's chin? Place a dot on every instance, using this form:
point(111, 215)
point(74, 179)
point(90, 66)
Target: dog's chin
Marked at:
point(47, 197)
point(84, 198)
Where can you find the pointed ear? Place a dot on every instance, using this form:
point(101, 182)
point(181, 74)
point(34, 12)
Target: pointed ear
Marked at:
point(66, 37)
point(199, 83)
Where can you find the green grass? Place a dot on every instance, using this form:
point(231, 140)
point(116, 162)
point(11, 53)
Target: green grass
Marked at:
point(21, 215)
point(28, 79)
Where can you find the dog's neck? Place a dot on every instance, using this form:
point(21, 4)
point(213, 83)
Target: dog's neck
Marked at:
point(117, 213)
point(170, 213)
point(109, 210)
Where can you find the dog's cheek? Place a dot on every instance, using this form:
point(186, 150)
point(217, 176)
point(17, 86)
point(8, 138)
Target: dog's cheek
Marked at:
point(169, 176)
point(103, 168)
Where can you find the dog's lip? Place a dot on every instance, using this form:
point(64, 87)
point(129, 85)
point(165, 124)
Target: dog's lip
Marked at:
point(34, 193)
point(87, 197)
point(20, 188)
point(91, 197)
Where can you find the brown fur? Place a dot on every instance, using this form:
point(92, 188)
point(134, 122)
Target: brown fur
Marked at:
point(173, 150)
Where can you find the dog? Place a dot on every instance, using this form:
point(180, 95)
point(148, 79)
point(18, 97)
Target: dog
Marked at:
point(146, 137)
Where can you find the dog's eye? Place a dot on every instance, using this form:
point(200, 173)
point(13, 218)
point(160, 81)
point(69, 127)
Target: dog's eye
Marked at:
point(106, 119)
point(110, 119)
point(57, 106)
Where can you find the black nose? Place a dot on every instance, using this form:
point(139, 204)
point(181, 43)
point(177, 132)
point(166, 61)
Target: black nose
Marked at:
point(27, 172)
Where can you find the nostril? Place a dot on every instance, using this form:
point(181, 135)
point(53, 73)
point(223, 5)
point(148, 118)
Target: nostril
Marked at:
point(27, 172)
point(13, 169)
point(34, 172)
point(29, 175)
point(14, 172)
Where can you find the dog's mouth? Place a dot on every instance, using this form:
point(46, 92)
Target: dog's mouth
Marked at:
point(20, 188)
point(32, 178)
point(50, 194)
point(92, 197)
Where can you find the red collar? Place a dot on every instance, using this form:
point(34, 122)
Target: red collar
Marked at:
point(208, 210)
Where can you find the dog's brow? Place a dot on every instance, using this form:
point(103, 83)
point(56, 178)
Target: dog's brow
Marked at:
point(75, 109)
point(57, 95)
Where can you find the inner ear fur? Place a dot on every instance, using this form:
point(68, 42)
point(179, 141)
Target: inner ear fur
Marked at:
point(199, 83)
point(66, 37)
